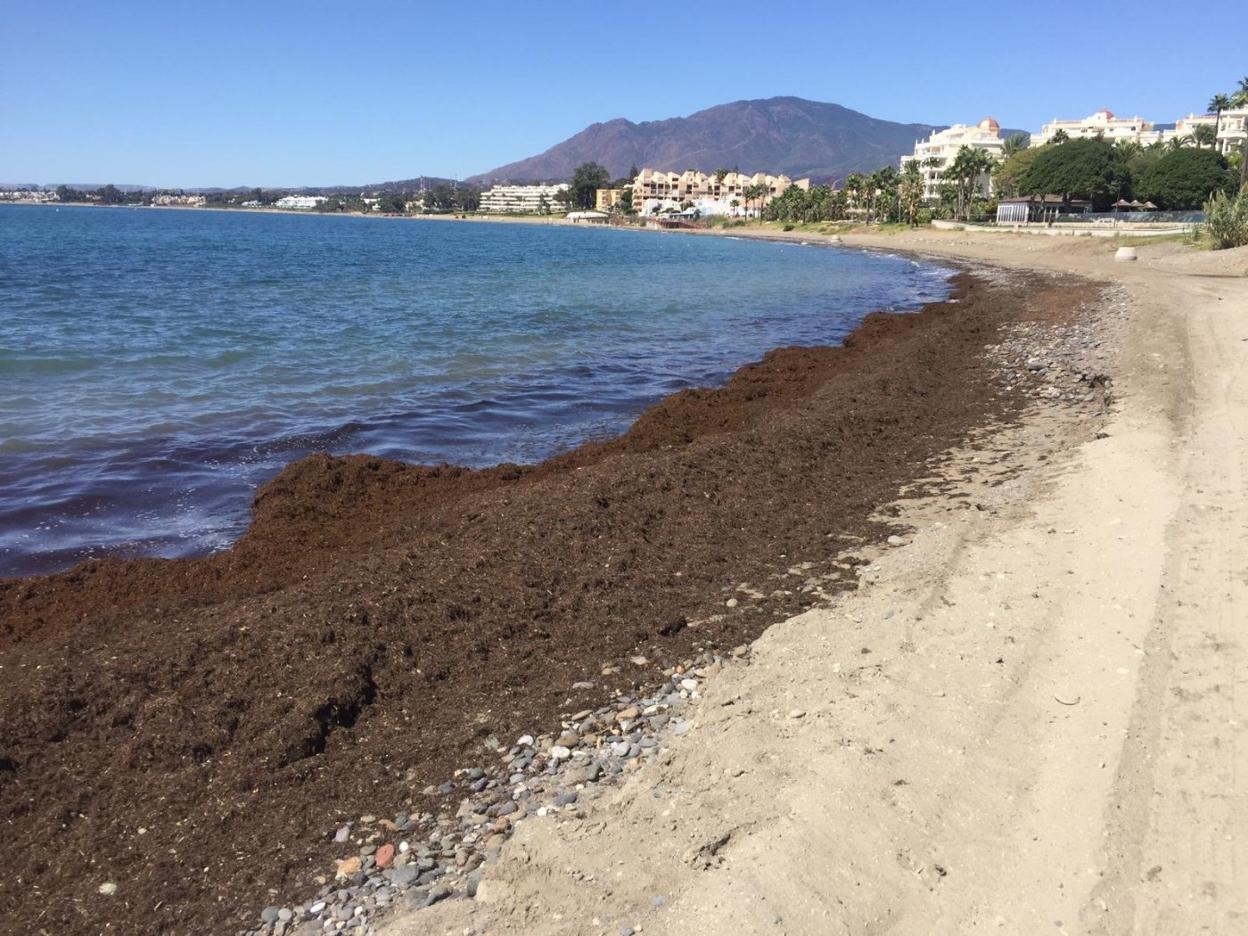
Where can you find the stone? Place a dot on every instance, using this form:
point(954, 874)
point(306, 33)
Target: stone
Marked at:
point(108, 888)
point(269, 914)
point(569, 739)
point(1125, 254)
point(404, 876)
point(285, 915)
point(316, 907)
point(384, 856)
point(895, 540)
point(439, 892)
point(348, 866)
point(559, 753)
point(343, 833)
point(628, 714)
point(732, 602)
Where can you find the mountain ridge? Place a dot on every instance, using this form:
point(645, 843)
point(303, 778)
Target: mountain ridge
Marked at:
point(786, 134)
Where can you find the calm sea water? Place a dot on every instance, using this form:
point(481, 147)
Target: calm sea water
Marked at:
point(156, 366)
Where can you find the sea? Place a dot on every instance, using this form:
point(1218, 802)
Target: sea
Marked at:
point(156, 366)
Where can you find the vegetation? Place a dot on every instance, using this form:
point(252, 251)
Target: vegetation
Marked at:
point(1183, 180)
point(1008, 172)
point(1086, 168)
point(587, 179)
point(965, 174)
point(1226, 220)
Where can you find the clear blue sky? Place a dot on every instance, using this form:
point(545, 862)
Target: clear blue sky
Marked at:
point(177, 93)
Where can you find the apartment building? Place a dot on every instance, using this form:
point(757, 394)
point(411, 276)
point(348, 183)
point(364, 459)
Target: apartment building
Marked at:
point(522, 199)
point(934, 154)
point(727, 193)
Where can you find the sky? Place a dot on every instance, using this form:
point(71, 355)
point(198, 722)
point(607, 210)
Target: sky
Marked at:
point(175, 93)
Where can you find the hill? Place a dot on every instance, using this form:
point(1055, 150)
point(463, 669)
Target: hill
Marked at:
point(781, 134)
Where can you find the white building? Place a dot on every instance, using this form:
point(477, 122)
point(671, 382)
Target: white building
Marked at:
point(166, 199)
point(1105, 125)
point(934, 154)
point(655, 191)
point(299, 202)
point(523, 199)
point(1232, 132)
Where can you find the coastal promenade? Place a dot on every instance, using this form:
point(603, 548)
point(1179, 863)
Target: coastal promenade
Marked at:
point(1029, 716)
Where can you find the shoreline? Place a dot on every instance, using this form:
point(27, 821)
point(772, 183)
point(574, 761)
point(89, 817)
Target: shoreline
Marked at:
point(359, 521)
point(1042, 736)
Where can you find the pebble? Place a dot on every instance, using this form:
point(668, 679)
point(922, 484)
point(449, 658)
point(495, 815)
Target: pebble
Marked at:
point(895, 540)
point(538, 776)
point(108, 888)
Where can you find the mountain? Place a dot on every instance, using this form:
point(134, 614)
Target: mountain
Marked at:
point(787, 135)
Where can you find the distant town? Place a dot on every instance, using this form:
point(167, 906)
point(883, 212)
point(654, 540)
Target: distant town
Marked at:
point(967, 172)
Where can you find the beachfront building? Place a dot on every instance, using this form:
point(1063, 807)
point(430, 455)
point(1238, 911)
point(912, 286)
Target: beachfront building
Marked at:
point(1232, 131)
point(166, 200)
point(934, 154)
point(522, 199)
point(731, 193)
point(299, 202)
point(1105, 125)
point(607, 198)
point(33, 195)
point(588, 217)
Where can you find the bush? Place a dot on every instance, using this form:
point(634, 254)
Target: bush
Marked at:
point(1226, 220)
point(1184, 179)
point(1084, 168)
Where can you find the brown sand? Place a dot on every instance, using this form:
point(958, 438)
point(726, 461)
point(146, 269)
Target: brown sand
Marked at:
point(379, 621)
point(1048, 733)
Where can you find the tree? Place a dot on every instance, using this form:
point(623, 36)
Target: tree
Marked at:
point(910, 191)
point(1204, 135)
point(1014, 143)
point(1091, 169)
point(1240, 99)
point(854, 184)
point(1217, 104)
point(587, 179)
point(965, 173)
point(625, 203)
point(1185, 179)
point(468, 198)
point(1128, 149)
point(755, 194)
point(1008, 172)
point(111, 195)
point(1060, 137)
point(392, 204)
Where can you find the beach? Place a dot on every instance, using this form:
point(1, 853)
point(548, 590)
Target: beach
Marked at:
point(932, 578)
point(1024, 719)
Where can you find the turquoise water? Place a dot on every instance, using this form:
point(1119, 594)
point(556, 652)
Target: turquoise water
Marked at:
point(156, 366)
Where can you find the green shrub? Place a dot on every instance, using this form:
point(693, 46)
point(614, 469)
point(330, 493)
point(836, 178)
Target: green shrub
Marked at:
point(1226, 220)
point(1184, 179)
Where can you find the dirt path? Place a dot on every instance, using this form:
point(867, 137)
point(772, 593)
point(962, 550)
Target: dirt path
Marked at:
point(1028, 720)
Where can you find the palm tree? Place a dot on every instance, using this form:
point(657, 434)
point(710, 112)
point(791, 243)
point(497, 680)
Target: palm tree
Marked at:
point(1217, 104)
point(1060, 137)
point(1128, 148)
point(853, 188)
point(1015, 143)
point(1178, 142)
point(965, 172)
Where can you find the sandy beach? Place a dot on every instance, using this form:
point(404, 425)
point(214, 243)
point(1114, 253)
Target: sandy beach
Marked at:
point(946, 619)
point(1026, 719)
